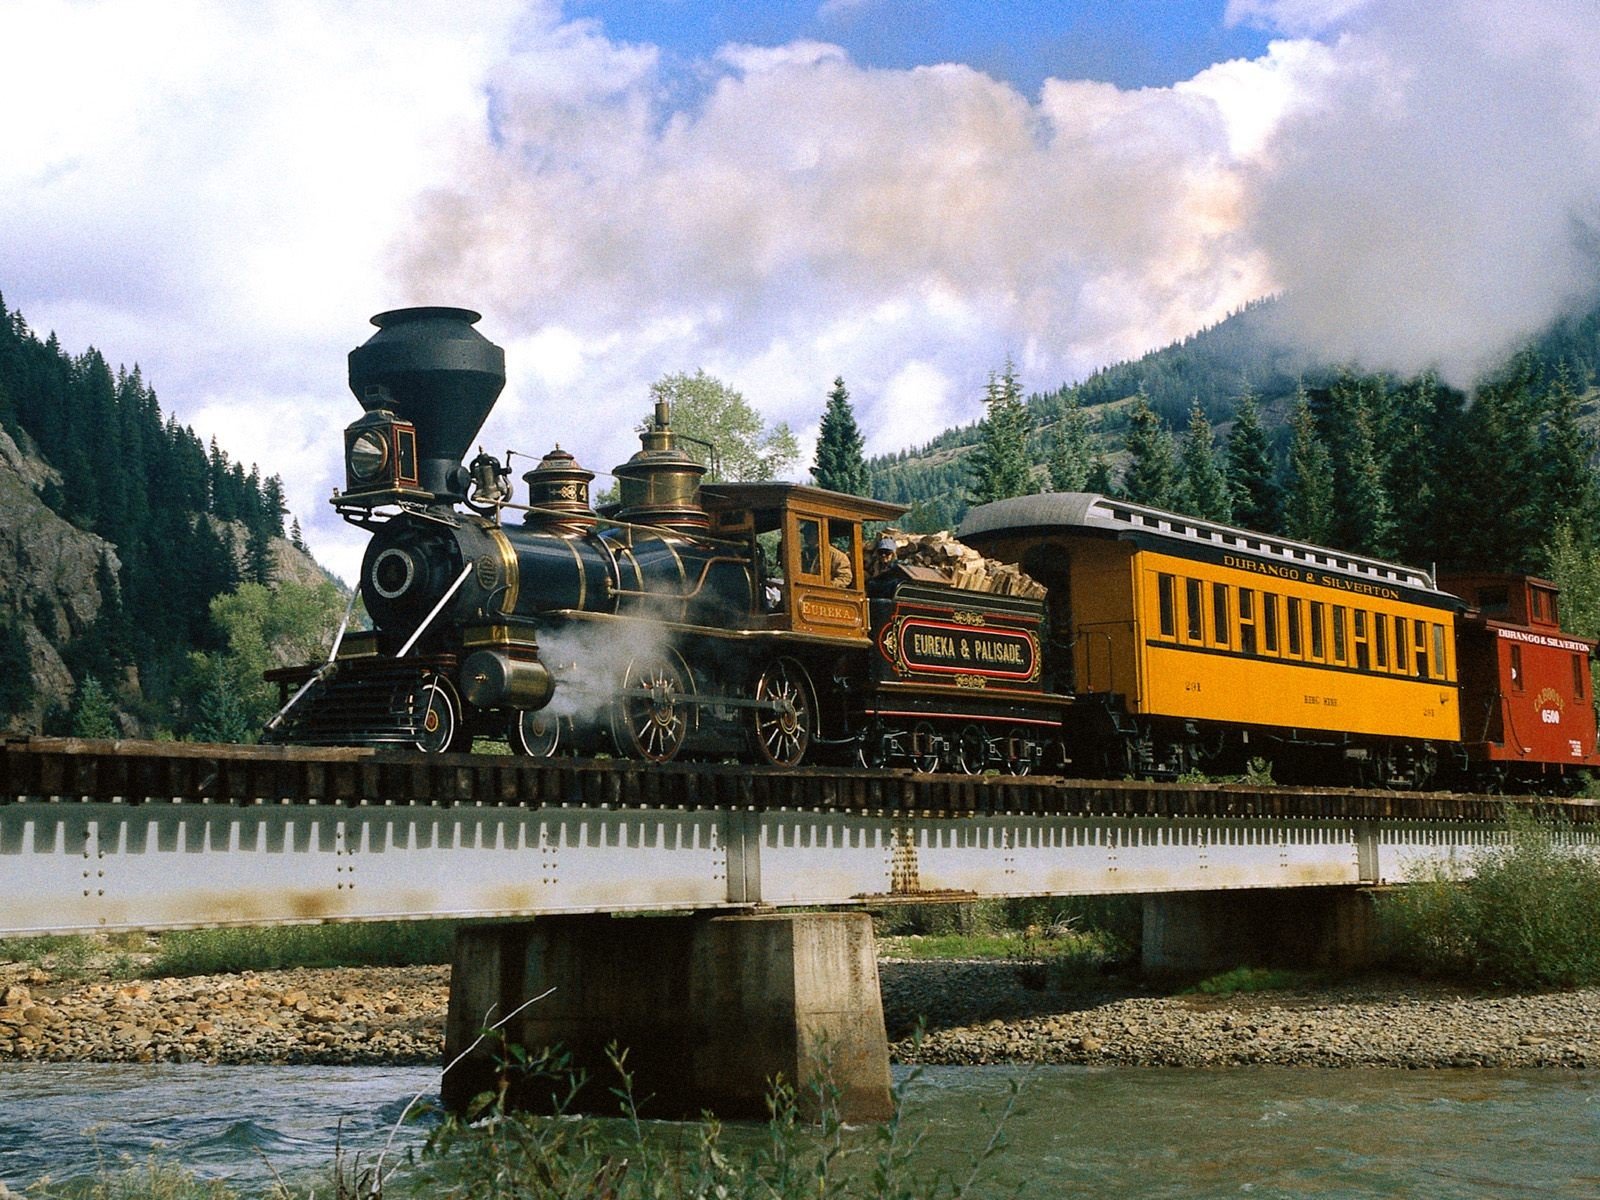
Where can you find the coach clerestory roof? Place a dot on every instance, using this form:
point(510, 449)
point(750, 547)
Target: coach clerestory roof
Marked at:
point(1090, 512)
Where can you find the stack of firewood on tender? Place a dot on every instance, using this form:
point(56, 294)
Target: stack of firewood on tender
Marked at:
point(958, 565)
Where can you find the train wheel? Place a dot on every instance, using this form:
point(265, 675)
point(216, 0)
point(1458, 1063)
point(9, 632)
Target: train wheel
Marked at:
point(651, 719)
point(872, 747)
point(436, 710)
point(536, 734)
point(924, 749)
point(1019, 752)
point(782, 735)
point(972, 750)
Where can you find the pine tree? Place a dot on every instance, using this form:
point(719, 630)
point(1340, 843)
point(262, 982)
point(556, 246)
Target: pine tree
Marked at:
point(1308, 496)
point(1070, 463)
point(1152, 474)
point(17, 691)
point(1570, 494)
point(1203, 490)
point(840, 465)
point(1367, 526)
point(1249, 469)
point(221, 716)
point(93, 715)
point(297, 539)
point(1100, 479)
point(1000, 463)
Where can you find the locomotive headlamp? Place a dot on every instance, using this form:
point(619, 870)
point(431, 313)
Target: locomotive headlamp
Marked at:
point(369, 454)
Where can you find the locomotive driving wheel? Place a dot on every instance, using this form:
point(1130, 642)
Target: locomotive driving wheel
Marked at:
point(782, 732)
point(536, 734)
point(651, 718)
point(435, 710)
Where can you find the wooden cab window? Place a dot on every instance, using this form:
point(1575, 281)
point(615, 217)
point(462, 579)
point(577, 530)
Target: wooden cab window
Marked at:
point(1580, 668)
point(1319, 630)
point(1400, 644)
point(1220, 624)
point(1359, 639)
point(1247, 620)
point(1339, 648)
point(1296, 647)
point(1380, 640)
point(1269, 621)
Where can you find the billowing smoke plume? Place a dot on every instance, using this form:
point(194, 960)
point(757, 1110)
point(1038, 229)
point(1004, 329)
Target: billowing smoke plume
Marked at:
point(1435, 198)
point(1419, 180)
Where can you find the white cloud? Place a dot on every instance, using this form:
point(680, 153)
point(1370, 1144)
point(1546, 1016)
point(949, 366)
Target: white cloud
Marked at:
point(224, 192)
point(1433, 199)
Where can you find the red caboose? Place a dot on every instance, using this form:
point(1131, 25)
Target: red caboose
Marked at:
point(1527, 695)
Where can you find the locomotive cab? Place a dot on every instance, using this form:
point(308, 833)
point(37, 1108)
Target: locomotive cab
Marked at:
point(814, 574)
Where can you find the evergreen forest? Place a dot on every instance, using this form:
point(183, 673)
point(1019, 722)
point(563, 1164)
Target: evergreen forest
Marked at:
point(1225, 425)
point(172, 507)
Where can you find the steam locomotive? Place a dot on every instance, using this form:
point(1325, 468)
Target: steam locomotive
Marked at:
point(696, 619)
point(665, 627)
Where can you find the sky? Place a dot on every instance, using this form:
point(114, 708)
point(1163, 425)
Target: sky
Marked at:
point(905, 194)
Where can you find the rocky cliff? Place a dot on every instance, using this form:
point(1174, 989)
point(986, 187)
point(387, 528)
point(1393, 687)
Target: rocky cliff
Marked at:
point(48, 571)
point(50, 581)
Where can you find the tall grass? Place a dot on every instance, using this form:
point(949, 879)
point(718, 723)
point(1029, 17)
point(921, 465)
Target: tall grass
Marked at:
point(357, 944)
point(1525, 913)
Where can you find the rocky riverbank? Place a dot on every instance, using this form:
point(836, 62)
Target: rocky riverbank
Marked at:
point(972, 1013)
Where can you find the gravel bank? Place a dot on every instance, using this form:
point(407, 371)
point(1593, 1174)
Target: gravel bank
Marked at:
point(974, 1013)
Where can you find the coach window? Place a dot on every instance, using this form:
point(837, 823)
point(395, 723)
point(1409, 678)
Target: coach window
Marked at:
point(1400, 644)
point(1194, 601)
point(1167, 593)
point(1516, 667)
point(1319, 631)
point(1219, 612)
point(1419, 643)
point(1339, 654)
point(1380, 640)
point(1295, 609)
point(1269, 621)
point(1441, 669)
point(1363, 652)
point(1247, 620)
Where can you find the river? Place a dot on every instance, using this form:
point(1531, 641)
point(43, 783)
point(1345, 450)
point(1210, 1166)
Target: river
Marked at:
point(1079, 1131)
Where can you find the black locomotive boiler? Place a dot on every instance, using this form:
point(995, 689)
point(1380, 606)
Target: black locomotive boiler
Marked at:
point(658, 628)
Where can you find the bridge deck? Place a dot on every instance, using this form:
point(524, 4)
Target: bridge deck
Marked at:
point(99, 835)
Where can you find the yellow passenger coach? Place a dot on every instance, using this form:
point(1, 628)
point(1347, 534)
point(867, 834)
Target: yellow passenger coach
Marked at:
point(1190, 643)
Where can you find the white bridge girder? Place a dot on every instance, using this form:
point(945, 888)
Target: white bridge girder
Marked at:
point(76, 866)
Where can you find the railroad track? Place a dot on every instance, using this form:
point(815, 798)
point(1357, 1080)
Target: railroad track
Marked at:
point(136, 772)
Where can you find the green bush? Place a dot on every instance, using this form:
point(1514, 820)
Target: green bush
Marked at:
point(1524, 913)
point(356, 944)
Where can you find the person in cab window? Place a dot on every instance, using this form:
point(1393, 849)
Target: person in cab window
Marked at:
point(883, 559)
point(841, 573)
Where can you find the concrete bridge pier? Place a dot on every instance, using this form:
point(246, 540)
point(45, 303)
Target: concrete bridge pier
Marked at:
point(708, 1008)
point(1195, 933)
